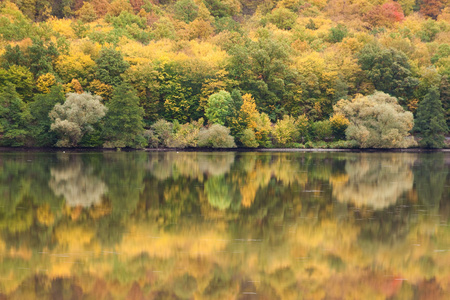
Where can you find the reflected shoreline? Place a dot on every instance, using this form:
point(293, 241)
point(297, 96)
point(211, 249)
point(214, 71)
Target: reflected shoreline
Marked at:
point(217, 225)
point(86, 150)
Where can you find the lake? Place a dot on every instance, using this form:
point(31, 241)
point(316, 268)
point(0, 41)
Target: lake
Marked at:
point(224, 225)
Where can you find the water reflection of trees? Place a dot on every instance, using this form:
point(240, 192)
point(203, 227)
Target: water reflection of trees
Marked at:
point(193, 234)
point(193, 165)
point(75, 181)
point(375, 180)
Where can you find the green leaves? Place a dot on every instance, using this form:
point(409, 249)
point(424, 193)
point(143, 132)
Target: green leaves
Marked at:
point(388, 70)
point(430, 121)
point(110, 66)
point(124, 120)
point(219, 107)
point(12, 118)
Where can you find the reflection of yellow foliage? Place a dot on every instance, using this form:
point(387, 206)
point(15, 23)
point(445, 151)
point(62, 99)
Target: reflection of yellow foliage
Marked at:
point(285, 171)
point(44, 215)
point(22, 252)
point(193, 165)
point(75, 238)
point(197, 243)
point(258, 176)
point(20, 222)
point(248, 191)
point(339, 179)
point(101, 210)
point(60, 269)
point(75, 212)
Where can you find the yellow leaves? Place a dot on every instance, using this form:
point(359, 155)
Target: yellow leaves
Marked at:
point(73, 87)
point(44, 82)
point(87, 47)
point(319, 3)
point(412, 23)
point(165, 50)
point(249, 115)
point(339, 122)
point(77, 65)
point(199, 29)
point(413, 105)
point(211, 86)
point(62, 26)
point(101, 89)
point(352, 44)
point(208, 52)
point(311, 63)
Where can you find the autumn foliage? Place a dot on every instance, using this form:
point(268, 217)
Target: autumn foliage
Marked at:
point(247, 65)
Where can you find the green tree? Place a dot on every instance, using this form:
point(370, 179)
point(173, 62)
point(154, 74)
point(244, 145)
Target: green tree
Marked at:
point(14, 26)
point(219, 107)
point(262, 69)
point(430, 121)
point(21, 78)
point(285, 131)
point(13, 56)
point(41, 122)
point(87, 13)
point(338, 33)
point(444, 89)
point(248, 139)
point(76, 117)
point(110, 65)
point(41, 57)
point(321, 130)
point(283, 18)
point(13, 115)
point(186, 10)
point(144, 78)
point(389, 71)
point(124, 121)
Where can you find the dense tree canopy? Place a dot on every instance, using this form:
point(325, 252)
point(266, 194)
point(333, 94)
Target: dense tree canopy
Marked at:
point(292, 58)
point(430, 123)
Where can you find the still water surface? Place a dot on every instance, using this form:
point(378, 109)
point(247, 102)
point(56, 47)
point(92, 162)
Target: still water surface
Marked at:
point(224, 226)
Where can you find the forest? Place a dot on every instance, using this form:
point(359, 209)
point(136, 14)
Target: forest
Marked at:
point(224, 74)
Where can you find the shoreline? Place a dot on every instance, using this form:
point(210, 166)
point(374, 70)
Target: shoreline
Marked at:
point(82, 150)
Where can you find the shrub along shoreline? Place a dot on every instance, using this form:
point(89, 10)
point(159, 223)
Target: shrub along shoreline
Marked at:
point(238, 149)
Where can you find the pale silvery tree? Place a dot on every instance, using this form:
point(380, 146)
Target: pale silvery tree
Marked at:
point(377, 121)
point(76, 117)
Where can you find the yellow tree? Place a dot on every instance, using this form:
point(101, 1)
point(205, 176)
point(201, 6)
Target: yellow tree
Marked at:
point(248, 115)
